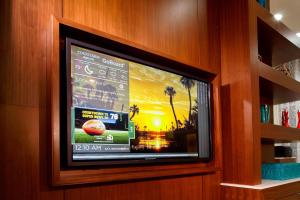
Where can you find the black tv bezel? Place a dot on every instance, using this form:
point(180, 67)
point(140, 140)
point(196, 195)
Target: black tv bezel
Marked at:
point(139, 57)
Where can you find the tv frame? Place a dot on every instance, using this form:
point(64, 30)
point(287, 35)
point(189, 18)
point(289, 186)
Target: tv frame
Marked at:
point(66, 102)
point(59, 175)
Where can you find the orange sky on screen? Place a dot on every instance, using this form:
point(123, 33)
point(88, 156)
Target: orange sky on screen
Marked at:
point(146, 88)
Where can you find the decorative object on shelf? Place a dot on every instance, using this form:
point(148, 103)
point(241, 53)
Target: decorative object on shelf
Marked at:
point(296, 149)
point(290, 69)
point(294, 146)
point(296, 69)
point(285, 68)
point(265, 113)
point(263, 3)
point(285, 118)
point(283, 151)
point(298, 114)
point(292, 108)
point(294, 118)
point(260, 58)
point(280, 171)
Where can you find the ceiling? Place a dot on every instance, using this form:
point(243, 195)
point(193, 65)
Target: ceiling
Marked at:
point(290, 9)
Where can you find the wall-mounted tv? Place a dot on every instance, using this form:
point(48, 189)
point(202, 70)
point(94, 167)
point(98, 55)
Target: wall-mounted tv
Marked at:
point(124, 108)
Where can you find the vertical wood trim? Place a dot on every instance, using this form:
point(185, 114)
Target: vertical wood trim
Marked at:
point(54, 101)
point(241, 136)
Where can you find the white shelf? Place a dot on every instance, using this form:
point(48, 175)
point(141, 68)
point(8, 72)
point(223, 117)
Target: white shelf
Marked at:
point(264, 184)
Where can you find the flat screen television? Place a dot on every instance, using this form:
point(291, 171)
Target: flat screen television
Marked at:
point(126, 109)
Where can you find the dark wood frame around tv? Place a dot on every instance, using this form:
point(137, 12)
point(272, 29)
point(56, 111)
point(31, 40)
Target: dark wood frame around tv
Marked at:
point(70, 176)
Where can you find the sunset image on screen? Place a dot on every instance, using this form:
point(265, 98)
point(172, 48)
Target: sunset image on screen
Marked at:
point(125, 109)
point(163, 107)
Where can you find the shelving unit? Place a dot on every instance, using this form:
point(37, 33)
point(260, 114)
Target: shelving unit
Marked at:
point(269, 43)
point(284, 159)
point(276, 44)
point(278, 27)
point(277, 86)
point(279, 44)
point(279, 133)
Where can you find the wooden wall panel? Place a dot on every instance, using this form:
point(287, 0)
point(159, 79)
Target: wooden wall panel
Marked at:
point(287, 191)
point(240, 96)
point(182, 29)
point(19, 152)
point(24, 57)
point(235, 193)
point(175, 189)
point(24, 41)
point(169, 26)
point(209, 42)
point(211, 186)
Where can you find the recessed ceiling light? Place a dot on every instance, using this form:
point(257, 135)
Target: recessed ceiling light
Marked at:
point(298, 34)
point(278, 16)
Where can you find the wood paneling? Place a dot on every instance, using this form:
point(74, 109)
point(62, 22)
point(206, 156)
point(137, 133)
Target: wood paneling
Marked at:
point(274, 48)
point(280, 192)
point(24, 41)
point(209, 42)
point(78, 176)
point(267, 151)
point(170, 26)
point(277, 87)
point(279, 133)
point(217, 124)
point(280, 27)
point(175, 189)
point(283, 192)
point(19, 152)
point(291, 197)
point(235, 193)
point(240, 93)
point(25, 52)
point(211, 187)
point(185, 30)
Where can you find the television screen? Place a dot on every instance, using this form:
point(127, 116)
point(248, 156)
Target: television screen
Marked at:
point(121, 108)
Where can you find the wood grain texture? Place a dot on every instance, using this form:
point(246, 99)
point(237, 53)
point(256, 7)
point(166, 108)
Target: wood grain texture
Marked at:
point(240, 93)
point(211, 187)
point(291, 197)
point(281, 28)
point(25, 52)
point(235, 193)
point(288, 191)
point(274, 48)
point(169, 26)
point(279, 133)
point(19, 159)
point(25, 27)
point(267, 152)
point(217, 147)
point(187, 34)
point(77, 176)
point(175, 189)
point(209, 35)
point(277, 87)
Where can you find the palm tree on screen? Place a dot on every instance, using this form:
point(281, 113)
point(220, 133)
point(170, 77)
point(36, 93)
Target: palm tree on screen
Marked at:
point(188, 84)
point(171, 93)
point(135, 110)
